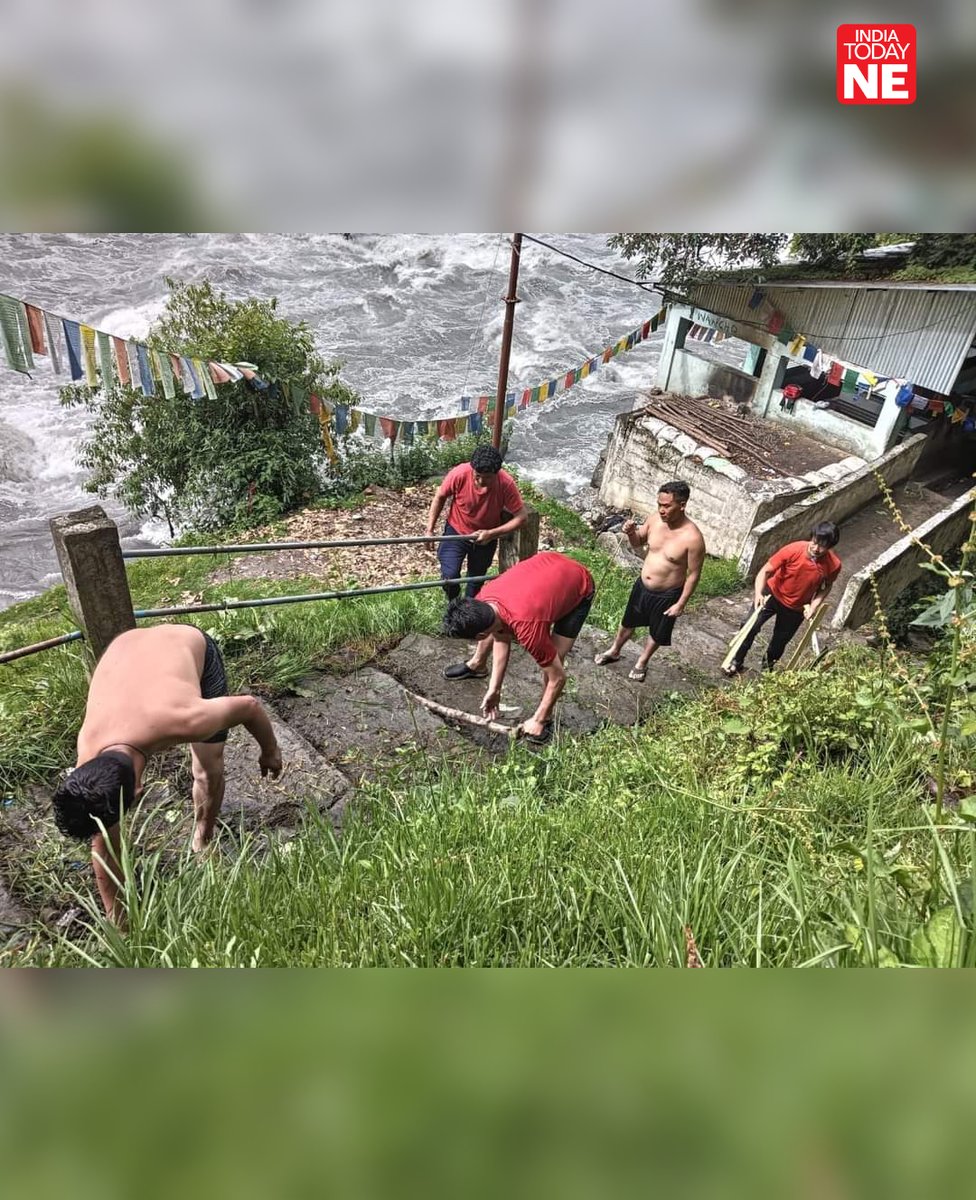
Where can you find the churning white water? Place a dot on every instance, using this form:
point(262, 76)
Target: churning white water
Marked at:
point(415, 319)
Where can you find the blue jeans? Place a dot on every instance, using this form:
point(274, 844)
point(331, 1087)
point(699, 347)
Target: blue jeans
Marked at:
point(452, 555)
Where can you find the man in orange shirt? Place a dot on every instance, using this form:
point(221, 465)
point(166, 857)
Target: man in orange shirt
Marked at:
point(479, 492)
point(800, 574)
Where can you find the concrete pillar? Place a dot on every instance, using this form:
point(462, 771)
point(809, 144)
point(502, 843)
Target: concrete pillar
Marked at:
point(523, 543)
point(90, 556)
point(676, 325)
point(890, 423)
point(768, 381)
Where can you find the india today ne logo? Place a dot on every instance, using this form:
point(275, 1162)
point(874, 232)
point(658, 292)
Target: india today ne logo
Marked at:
point(876, 64)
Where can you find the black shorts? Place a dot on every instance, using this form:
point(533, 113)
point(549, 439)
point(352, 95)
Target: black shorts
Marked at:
point(647, 606)
point(570, 625)
point(213, 681)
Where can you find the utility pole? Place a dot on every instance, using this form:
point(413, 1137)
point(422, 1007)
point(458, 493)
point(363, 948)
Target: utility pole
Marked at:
point(510, 301)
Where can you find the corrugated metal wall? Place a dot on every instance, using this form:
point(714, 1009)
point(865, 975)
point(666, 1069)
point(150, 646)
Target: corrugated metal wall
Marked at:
point(913, 333)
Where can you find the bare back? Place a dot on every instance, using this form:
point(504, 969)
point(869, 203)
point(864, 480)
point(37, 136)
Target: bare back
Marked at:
point(666, 561)
point(145, 690)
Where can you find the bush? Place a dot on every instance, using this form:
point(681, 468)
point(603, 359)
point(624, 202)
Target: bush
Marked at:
point(239, 459)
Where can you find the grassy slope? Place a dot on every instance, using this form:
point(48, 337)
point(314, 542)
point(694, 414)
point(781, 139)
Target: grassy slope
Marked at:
point(781, 822)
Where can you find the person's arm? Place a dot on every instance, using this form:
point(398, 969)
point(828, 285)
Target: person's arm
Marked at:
point(820, 597)
point(501, 648)
point(637, 536)
point(107, 865)
point(433, 513)
point(489, 535)
point(696, 558)
point(226, 711)
point(760, 583)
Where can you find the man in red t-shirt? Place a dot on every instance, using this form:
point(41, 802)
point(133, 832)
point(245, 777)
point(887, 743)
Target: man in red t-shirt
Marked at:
point(800, 574)
point(479, 492)
point(541, 603)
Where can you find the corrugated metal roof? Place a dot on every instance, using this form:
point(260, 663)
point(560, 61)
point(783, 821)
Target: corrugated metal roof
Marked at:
point(916, 333)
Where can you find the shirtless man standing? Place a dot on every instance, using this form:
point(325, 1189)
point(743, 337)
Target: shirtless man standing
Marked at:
point(672, 567)
point(153, 689)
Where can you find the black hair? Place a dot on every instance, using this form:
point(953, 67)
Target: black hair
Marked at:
point(486, 459)
point(677, 488)
point(826, 533)
point(95, 791)
point(467, 617)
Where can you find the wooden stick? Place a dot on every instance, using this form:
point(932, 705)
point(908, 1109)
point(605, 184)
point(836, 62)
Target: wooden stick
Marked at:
point(809, 634)
point(456, 714)
point(741, 636)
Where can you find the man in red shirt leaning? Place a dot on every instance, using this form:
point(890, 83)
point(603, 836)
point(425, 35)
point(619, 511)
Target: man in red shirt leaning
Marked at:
point(541, 603)
point(800, 574)
point(479, 492)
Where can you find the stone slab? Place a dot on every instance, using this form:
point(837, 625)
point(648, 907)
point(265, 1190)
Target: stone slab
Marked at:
point(306, 778)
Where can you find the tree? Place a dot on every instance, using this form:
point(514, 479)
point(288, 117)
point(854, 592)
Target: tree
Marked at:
point(242, 458)
point(677, 258)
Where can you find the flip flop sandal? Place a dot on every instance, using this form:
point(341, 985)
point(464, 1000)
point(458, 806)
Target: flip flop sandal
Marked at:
point(606, 657)
point(638, 674)
point(463, 671)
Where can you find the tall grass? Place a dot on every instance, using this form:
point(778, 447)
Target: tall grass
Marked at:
point(594, 852)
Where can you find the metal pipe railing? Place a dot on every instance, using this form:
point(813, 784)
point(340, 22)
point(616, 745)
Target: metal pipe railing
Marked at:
point(142, 614)
point(261, 547)
point(228, 605)
point(10, 655)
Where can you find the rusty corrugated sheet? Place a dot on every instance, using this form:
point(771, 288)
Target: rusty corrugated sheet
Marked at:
point(916, 333)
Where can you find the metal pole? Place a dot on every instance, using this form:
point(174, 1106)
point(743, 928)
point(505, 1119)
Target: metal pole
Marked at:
point(510, 301)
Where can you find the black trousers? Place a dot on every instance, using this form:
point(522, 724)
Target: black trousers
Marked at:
point(788, 621)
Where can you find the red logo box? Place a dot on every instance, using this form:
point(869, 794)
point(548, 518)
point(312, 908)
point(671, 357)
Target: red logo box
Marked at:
point(876, 64)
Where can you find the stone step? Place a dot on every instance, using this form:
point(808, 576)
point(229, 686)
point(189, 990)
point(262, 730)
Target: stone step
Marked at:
point(307, 777)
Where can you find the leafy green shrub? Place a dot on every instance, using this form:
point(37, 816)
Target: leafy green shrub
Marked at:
point(241, 458)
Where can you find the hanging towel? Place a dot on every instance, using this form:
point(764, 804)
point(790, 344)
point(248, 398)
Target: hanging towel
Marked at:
point(53, 343)
point(11, 336)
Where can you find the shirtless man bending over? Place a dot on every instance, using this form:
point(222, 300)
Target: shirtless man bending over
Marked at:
point(672, 567)
point(153, 689)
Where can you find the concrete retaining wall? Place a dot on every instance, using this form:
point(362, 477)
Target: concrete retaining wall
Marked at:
point(725, 502)
point(694, 376)
point(897, 568)
point(834, 503)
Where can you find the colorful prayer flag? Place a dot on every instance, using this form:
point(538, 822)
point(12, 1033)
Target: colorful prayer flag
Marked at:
point(53, 342)
point(11, 336)
point(35, 326)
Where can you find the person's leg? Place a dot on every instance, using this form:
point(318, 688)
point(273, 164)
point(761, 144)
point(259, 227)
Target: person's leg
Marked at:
point(639, 669)
point(479, 560)
point(761, 620)
point(208, 789)
point(451, 556)
point(632, 619)
point(788, 621)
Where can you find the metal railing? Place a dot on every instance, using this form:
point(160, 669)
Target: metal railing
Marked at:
point(261, 547)
point(142, 614)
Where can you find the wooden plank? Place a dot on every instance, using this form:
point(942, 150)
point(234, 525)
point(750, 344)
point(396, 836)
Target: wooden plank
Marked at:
point(741, 636)
point(808, 636)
